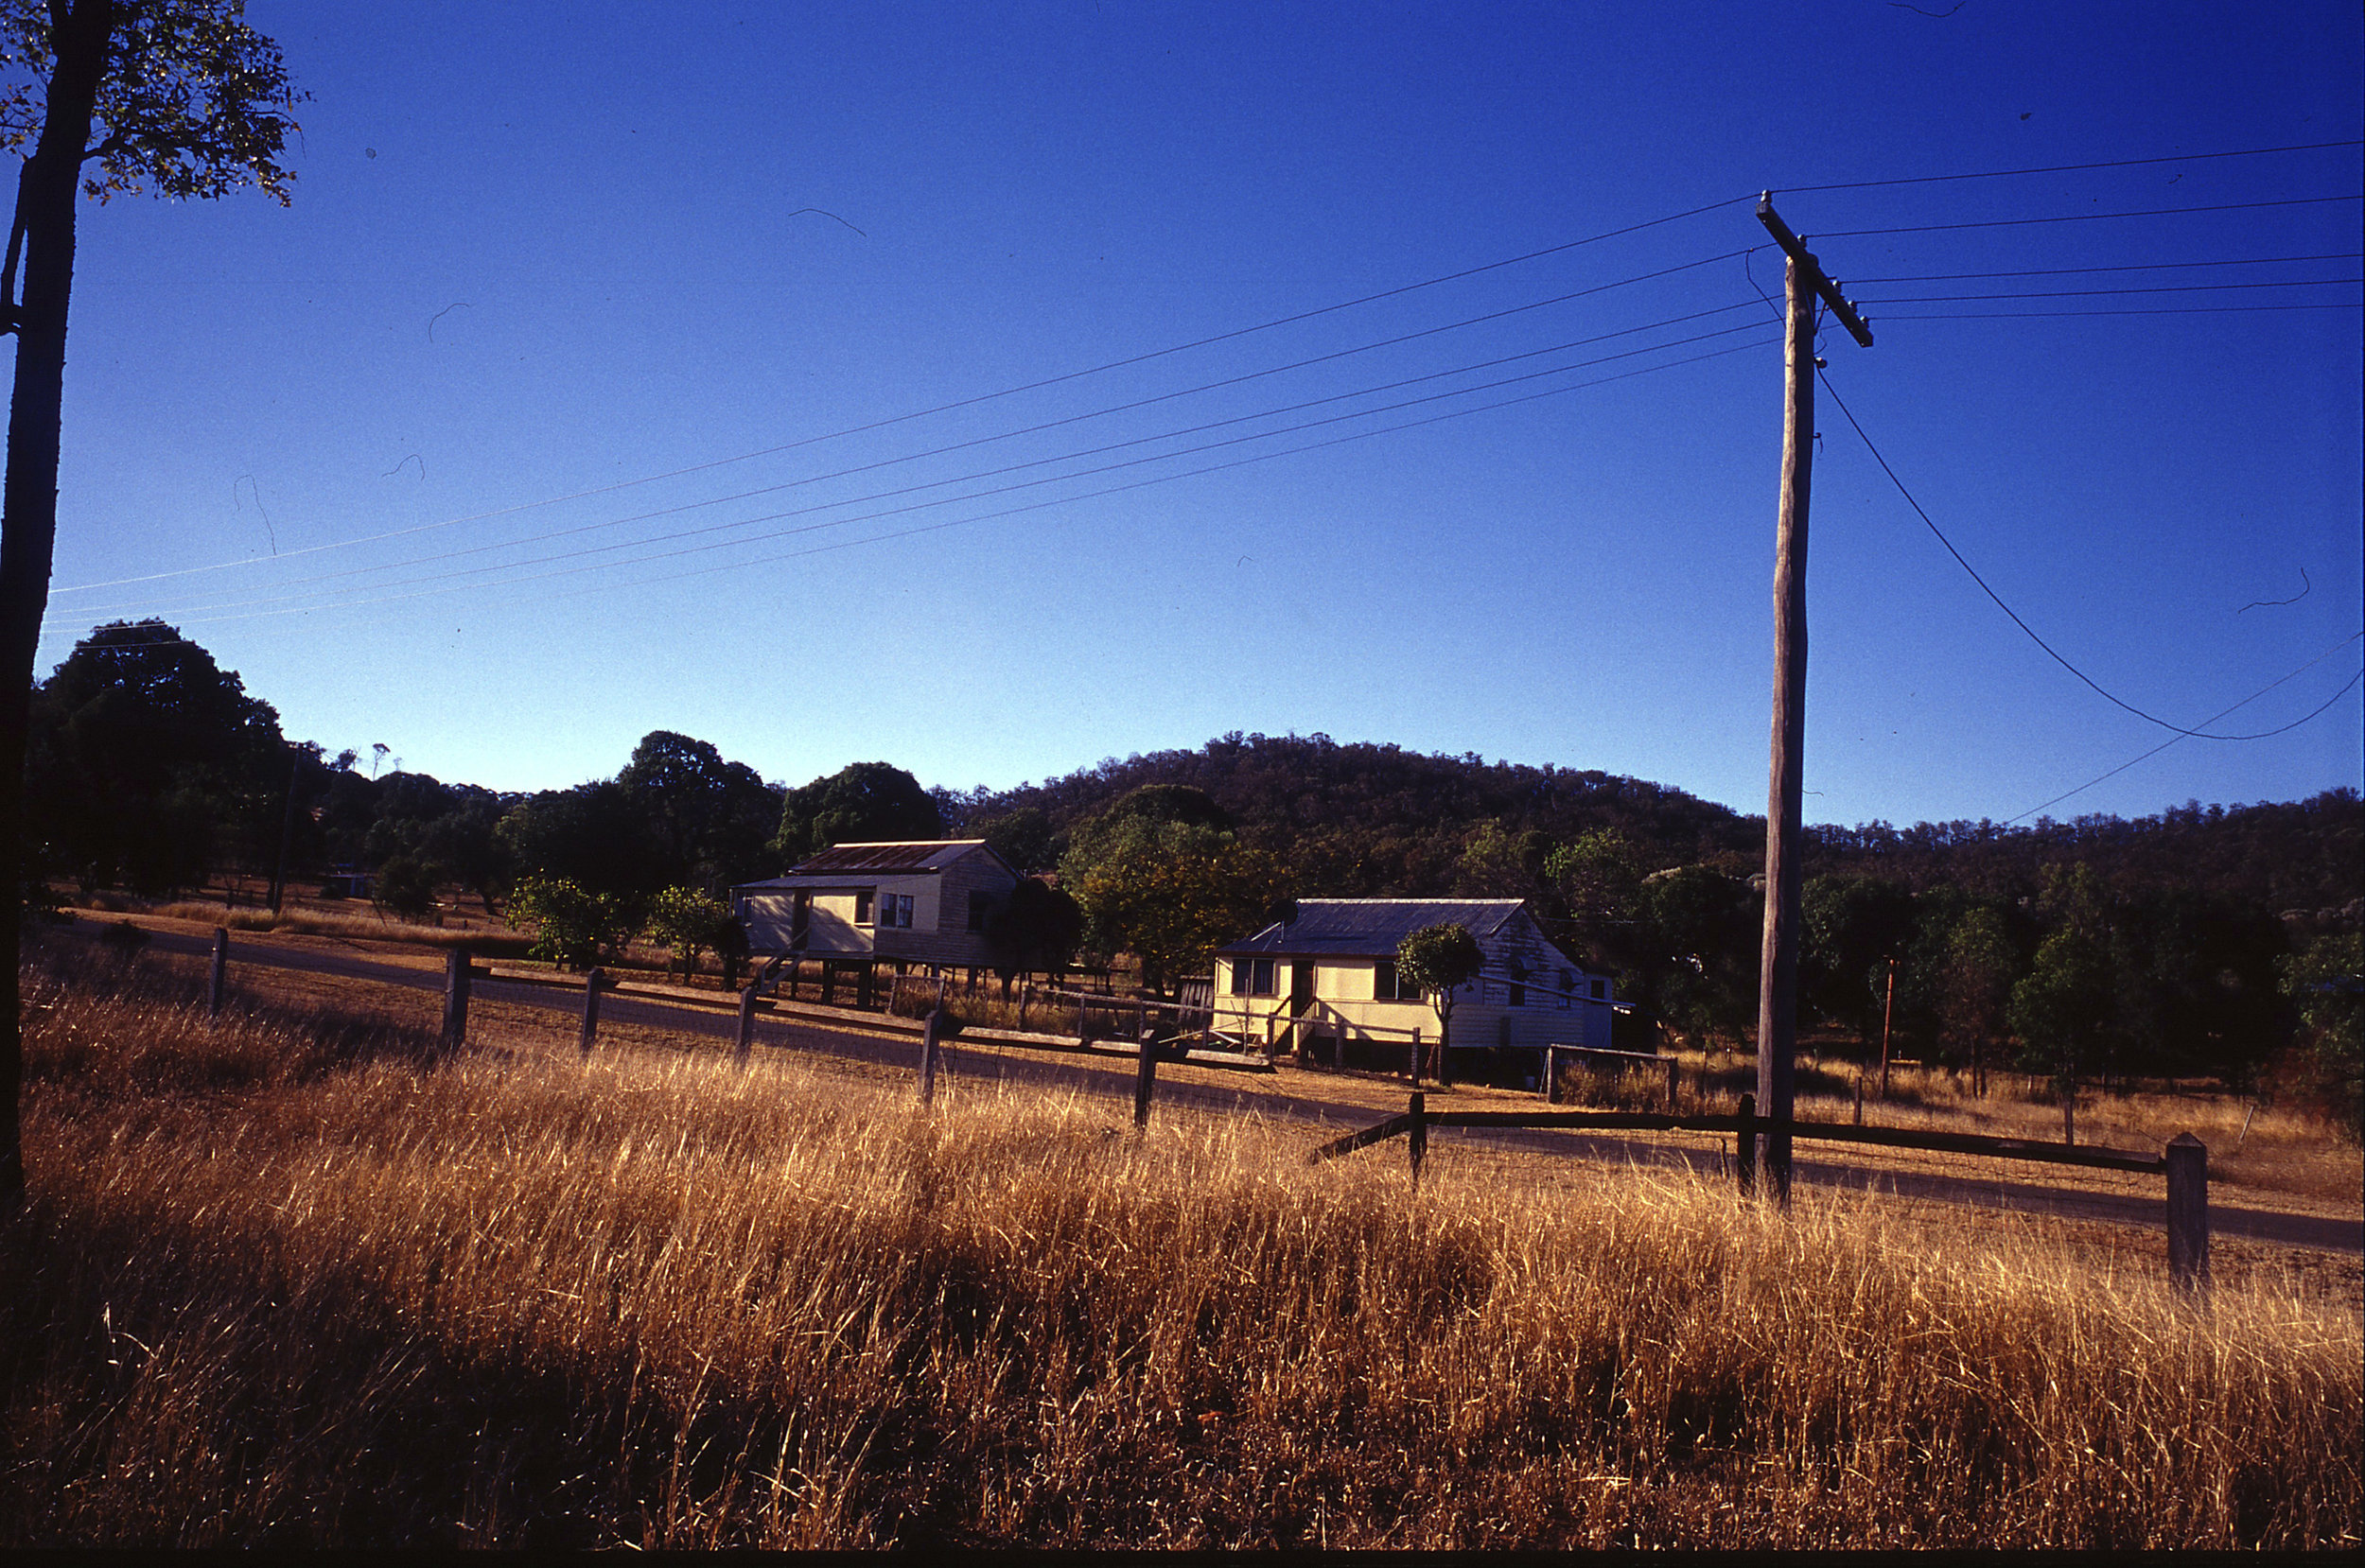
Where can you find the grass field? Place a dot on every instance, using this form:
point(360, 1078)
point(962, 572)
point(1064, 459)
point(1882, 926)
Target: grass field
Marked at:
point(293, 1280)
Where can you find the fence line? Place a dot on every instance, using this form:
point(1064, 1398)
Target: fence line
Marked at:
point(2184, 1161)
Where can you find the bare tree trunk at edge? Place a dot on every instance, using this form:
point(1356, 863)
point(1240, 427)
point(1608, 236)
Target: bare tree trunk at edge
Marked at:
point(46, 196)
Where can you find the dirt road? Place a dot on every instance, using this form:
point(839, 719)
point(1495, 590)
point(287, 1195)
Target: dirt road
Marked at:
point(1314, 1099)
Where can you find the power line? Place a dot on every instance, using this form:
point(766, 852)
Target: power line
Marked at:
point(2138, 310)
point(1054, 478)
point(2083, 217)
point(2097, 293)
point(973, 401)
point(955, 447)
point(2212, 719)
point(2128, 267)
point(2075, 169)
point(1009, 511)
point(1941, 533)
point(1336, 440)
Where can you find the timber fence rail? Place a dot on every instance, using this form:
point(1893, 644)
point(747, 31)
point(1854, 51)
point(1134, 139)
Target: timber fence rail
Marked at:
point(2184, 1161)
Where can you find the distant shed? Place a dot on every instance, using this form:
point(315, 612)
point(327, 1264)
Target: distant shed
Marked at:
point(922, 901)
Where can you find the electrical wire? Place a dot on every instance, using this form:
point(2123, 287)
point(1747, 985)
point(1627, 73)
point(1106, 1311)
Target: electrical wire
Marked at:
point(981, 441)
point(2212, 719)
point(965, 402)
point(1009, 511)
point(2073, 168)
point(2082, 217)
point(2160, 311)
point(2128, 267)
point(1001, 490)
point(2057, 658)
point(2100, 293)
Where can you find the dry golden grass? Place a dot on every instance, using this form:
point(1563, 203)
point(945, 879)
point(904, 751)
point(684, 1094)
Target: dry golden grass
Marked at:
point(293, 1282)
point(352, 922)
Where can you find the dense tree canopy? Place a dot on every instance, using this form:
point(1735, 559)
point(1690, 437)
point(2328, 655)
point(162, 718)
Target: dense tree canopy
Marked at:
point(148, 763)
point(862, 803)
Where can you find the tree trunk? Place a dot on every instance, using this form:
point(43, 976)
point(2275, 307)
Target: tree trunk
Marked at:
point(45, 195)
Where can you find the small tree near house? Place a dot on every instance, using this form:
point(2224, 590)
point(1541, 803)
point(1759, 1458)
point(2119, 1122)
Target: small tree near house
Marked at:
point(690, 923)
point(1440, 960)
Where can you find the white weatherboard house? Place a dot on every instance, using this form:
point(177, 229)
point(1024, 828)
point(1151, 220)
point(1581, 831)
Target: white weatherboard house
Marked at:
point(926, 901)
point(1330, 975)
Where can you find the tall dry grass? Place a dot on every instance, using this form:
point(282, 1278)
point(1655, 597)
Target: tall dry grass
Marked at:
point(346, 1293)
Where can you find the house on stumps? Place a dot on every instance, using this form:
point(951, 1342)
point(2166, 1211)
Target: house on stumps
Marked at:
point(919, 904)
point(1324, 984)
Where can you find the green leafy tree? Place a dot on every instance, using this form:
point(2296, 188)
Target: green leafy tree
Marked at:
point(1980, 963)
point(690, 922)
point(1037, 929)
point(573, 925)
point(1024, 837)
point(177, 96)
point(1850, 927)
point(1168, 892)
point(862, 803)
point(1702, 928)
point(148, 760)
point(1440, 960)
point(596, 836)
point(405, 887)
point(710, 817)
point(2325, 983)
point(1498, 862)
point(2065, 1011)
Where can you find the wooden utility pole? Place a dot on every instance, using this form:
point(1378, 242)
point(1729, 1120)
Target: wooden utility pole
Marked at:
point(1777, 969)
point(1888, 1012)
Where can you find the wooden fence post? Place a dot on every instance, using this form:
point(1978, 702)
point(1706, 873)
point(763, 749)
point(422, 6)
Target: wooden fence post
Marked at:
point(1145, 1079)
point(929, 1038)
point(1024, 991)
point(1416, 1140)
point(455, 999)
point(746, 1027)
point(864, 982)
point(1084, 1021)
point(592, 985)
point(1551, 1079)
point(1674, 1071)
point(2188, 1211)
point(1416, 1073)
point(1859, 1100)
point(221, 964)
point(1745, 1146)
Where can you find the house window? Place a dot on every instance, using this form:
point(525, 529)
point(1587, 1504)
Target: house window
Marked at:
point(1260, 977)
point(1600, 990)
point(1384, 983)
point(1514, 992)
point(980, 905)
point(1567, 988)
point(1239, 977)
point(894, 909)
point(862, 908)
point(1518, 997)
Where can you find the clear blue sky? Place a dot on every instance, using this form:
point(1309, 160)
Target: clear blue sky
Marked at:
point(540, 250)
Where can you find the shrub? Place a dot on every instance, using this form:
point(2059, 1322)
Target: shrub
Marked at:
point(574, 927)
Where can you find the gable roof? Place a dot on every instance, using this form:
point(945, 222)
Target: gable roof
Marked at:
point(1371, 928)
point(912, 857)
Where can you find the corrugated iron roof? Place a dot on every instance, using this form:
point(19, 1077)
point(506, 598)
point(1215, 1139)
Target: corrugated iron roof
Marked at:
point(858, 860)
point(1371, 927)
